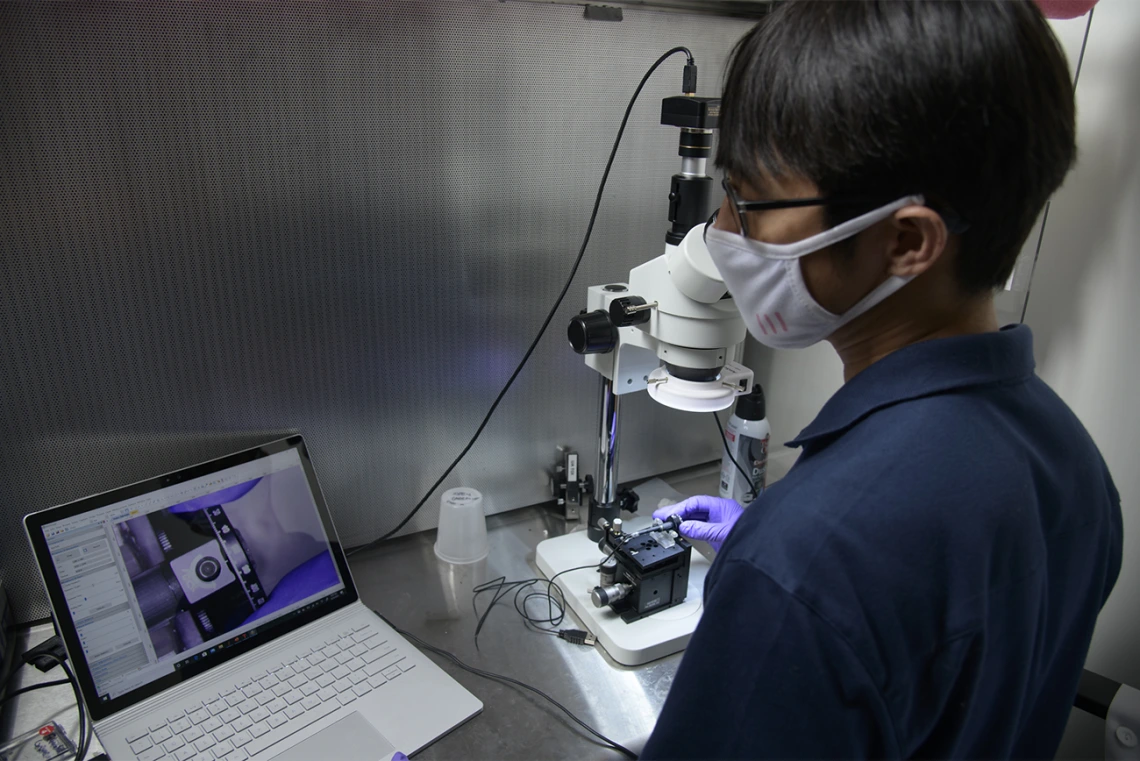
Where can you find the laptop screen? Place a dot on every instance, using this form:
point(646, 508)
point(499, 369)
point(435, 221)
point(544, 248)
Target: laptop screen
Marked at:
point(164, 584)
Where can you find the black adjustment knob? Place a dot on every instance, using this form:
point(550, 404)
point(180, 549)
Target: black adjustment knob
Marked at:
point(628, 500)
point(624, 312)
point(592, 333)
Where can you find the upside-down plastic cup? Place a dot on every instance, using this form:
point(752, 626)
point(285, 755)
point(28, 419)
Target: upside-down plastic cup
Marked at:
point(462, 535)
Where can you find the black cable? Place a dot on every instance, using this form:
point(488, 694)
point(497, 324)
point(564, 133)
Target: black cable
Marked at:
point(1049, 203)
point(84, 731)
point(83, 734)
point(39, 686)
point(556, 604)
point(727, 451)
point(1081, 57)
point(550, 586)
point(503, 587)
point(553, 309)
point(508, 680)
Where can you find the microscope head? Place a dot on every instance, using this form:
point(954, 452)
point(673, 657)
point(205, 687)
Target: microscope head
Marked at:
point(673, 329)
point(698, 329)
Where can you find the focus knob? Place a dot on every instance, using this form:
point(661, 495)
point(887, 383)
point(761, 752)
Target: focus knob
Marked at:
point(629, 311)
point(592, 333)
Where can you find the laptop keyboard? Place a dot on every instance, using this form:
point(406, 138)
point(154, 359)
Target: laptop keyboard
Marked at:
point(256, 713)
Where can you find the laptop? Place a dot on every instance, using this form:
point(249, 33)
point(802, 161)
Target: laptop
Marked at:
point(210, 613)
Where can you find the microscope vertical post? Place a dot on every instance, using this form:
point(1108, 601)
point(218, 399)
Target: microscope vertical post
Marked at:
point(604, 503)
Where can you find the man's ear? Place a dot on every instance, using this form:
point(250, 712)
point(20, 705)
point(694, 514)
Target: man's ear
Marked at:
point(917, 238)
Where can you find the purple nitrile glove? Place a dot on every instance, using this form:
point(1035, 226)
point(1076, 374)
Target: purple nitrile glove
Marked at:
point(707, 519)
point(399, 757)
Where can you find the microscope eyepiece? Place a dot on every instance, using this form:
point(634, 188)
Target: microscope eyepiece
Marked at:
point(592, 333)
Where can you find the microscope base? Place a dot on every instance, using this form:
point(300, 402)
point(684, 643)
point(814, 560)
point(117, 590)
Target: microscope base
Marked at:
point(652, 637)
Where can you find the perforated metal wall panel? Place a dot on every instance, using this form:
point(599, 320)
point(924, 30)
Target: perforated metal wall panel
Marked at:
point(223, 222)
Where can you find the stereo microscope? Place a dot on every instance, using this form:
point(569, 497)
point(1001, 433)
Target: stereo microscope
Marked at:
point(672, 330)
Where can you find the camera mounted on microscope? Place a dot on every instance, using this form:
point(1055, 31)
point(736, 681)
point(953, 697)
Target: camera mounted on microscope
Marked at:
point(691, 188)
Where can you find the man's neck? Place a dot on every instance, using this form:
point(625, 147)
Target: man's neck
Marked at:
point(880, 332)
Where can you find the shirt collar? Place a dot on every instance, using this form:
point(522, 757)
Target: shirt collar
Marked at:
point(924, 369)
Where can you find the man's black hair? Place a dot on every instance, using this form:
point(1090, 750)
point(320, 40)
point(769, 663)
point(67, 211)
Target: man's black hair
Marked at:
point(969, 103)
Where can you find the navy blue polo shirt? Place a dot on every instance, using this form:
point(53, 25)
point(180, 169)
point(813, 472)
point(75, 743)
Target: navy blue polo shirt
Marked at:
point(923, 583)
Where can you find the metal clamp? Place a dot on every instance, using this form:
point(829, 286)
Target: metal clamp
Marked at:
point(237, 556)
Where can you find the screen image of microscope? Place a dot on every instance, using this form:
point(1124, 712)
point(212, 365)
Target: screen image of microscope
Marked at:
point(202, 568)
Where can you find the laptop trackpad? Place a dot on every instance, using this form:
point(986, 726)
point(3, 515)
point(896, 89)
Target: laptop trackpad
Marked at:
point(352, 739)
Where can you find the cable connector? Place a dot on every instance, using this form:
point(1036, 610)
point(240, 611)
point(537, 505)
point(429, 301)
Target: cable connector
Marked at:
point(577, 637)
point(46, 655)
point(689, 78)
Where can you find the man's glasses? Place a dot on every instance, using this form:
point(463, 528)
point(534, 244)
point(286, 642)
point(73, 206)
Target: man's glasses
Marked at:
point(954, 223)
point(743, 207)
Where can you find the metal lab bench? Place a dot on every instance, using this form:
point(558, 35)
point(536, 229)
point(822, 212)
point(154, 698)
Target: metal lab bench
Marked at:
point(404, 581)
point(411, 587)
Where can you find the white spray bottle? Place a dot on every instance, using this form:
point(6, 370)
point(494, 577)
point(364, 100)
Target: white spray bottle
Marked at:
point(747, 435)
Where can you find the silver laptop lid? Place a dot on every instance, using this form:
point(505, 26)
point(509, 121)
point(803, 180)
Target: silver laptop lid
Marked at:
point(157, 582)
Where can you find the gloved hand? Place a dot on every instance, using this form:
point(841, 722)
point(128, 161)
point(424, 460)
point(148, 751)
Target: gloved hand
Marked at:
point(704, 518)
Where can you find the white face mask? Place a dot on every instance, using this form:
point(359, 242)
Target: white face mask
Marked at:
point(766, 282)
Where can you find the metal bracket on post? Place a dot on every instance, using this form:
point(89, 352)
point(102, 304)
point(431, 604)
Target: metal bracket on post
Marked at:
point(568, 486)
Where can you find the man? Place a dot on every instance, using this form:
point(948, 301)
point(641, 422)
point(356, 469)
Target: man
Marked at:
point(925, 580)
